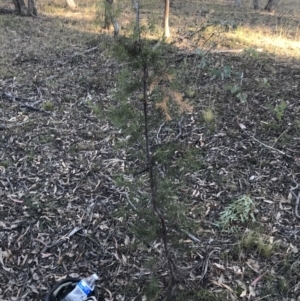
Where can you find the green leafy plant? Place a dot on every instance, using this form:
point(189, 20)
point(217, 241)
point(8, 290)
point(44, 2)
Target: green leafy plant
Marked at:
point(237, 92)
point(4, 163)
point(222, 73)
point(235, 89)
point(152, 289)
point(280, 109)
point(43, 139)
point(238, 212)
point(265, 82)
point(203, 62)
point(251, 52)
point(48, 106)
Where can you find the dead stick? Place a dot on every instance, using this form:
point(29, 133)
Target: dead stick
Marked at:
point(62, 239)
point(268, 146)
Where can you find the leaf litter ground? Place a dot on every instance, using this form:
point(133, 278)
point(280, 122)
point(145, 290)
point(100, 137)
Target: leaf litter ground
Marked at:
point(58, 161)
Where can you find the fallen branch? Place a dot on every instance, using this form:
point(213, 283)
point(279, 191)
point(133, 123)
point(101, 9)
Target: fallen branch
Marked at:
point(8, 11)
point(157, 135)
point(4, 127)
point(192, 237)
point(190, 35)
point(297, 199)
point(128, 199)
point(180, 129)
point(20, 225)
point(34, 109)
point(268, 146)
point(62, 240)
point(8, 95)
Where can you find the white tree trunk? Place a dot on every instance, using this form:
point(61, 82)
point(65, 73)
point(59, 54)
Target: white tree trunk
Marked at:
point(71, 4)
point(166, 19)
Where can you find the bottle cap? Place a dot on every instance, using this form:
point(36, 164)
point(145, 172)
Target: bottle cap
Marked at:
point(95, 276)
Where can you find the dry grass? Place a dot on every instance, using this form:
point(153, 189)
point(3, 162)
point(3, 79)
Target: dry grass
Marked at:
point(277, 33)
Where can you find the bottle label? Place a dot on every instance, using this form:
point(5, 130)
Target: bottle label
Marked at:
point(84, 287)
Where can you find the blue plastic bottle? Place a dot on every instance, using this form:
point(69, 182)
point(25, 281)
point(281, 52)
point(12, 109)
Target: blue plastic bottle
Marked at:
point(82, 290)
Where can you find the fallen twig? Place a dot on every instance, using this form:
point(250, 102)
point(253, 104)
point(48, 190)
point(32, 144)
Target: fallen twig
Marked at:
point(268, 146)
point(34, 109)
point(12, 97)
point(19, 226)
point(180, 129)
point(297, 198)
point(62, 240)
point(128, 199)
point(157, 135)
point(7, 127)
point(192, 237)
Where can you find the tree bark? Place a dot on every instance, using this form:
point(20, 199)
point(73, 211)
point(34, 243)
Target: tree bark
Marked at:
point(109, 16)
point(22, 10)
point(32, 7)
point(21, 7)
point(166, 19)
point(107, 10)
point(255, 4)
point(270, 5)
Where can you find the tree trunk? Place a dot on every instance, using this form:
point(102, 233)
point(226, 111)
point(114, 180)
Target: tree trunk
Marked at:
point(21, 7)
point(32, 7)
point(238, 3)
point(71, 4)
point(107, 10)
point(136, 6)
point(255, 4)
point(23, 10)
point(109, 16)
point(166, 19)
point(270, 5)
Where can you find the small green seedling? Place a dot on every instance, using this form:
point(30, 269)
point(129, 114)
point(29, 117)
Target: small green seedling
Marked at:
point(251, 52)
point(224, 72)
point(279, 110)
point(238, 212)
